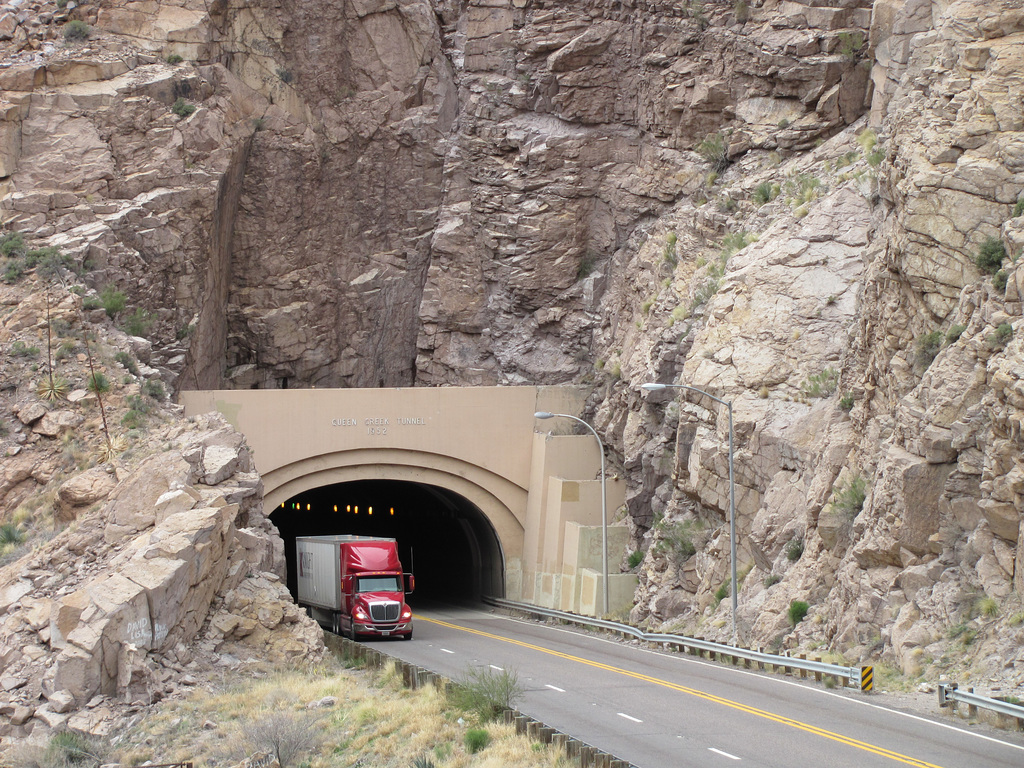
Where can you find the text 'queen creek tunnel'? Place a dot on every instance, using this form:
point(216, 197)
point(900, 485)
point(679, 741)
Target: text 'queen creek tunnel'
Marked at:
point(443, 539)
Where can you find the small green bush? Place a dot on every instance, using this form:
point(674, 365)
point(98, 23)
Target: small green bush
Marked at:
point(71, 749)
point(127, 362)
point(182, 108)
point(1018, 209)
point(11, 534)
point(990, 256)
point(132, 419)
point(955, 332)
point(487, 692)
point(771, 580)
point(797, 611)
point(850, 497)
point(1003, 334)
point(987, 606)
point(999, 281)
point(174, 59)
point(62, 4)
point(794, 549)
point(21, 349)
point(98, 383)
point(928, 347)
point(154, 388)
point(112, 300)
point(476, 740)
point(714, 149)
point(13, 271)
point(821, 384)
point(724, 590)
point(138, 323)
point(677, 538)
point(76, 30)
point(635, 558)
point(765, 192)
point(12, 245)
point(846, 402)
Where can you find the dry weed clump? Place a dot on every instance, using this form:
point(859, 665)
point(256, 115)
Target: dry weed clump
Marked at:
point(372, 720)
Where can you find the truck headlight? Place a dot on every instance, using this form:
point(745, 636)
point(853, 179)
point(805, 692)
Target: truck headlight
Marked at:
point(407, 613)
point(359, 614)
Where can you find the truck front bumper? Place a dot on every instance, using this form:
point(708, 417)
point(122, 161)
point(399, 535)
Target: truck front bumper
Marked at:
point(385, 630)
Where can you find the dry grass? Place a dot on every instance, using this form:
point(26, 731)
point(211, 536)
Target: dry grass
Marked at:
point(375, 722)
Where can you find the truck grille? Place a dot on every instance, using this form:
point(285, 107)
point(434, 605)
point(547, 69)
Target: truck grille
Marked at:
point(385, 611)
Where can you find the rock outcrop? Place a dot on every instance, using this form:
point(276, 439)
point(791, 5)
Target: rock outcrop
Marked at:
point(177, 570)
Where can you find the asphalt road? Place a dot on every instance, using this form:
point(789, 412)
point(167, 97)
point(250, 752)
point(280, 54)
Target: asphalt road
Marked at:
point(668, 710)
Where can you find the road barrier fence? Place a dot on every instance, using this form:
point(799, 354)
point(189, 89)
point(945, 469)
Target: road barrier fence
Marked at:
point(950, 695)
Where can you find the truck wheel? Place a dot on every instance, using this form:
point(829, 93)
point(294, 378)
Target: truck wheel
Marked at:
point(352, 631)
point(407, 637)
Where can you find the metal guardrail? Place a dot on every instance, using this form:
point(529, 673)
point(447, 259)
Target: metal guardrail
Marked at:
point(949, 694)
point(851, 674)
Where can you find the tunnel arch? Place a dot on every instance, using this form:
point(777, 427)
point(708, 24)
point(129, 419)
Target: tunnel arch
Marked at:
point(482, 503)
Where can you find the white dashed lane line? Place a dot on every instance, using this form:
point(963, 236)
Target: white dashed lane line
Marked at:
point(445, 650)
point(629, 717)
point(723, 754)
point(555, 688)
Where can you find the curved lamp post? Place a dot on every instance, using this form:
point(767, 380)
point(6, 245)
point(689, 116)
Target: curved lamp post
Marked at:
point(604, 504)
point(732, 487)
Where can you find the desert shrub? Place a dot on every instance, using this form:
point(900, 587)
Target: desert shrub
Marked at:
point(92, 302)
point(999, 281)
point(71, 749)
point(635, 558)
point(797, 611)
point(12, 245)
point(98, 383)
point(127, 362)
point(174, 59)
point(714, 149)
point(10, 534)
point(65, 350)
point(821, 384)
point(846, 402)
point(13, 271)
point(476, 740)
point(990, 256)
point(963, 632)
point(765, 192)
point(423, 762)
point(771, 580)
point(76, 30)
point(1018, 208)
point(928, 347)
point(724, 590)
point(669, 254)
point(677, 538)
point(285, 734)
point(285, 75)
point(955, 332)
point(133, 419)
point(138, 323)
point(734, 242)
point(486, 692)
point(112, 300)
point(794, 549)
point(987, 607)
point(850, 43)
point(182, 108)
point(154, 388)
point(20, 349)
point(586, 266)
point(849, 498)
point(1001, 336)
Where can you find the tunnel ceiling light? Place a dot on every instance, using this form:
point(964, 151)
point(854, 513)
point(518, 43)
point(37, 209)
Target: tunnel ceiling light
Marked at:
point(335, 507)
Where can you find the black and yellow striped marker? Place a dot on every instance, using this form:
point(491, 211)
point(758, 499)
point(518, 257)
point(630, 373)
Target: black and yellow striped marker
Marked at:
point(867, 675)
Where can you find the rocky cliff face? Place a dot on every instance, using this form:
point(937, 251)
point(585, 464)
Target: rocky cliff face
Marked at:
point(779, 202)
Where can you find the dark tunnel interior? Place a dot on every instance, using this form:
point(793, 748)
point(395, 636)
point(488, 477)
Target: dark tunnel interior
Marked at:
point(443, 539)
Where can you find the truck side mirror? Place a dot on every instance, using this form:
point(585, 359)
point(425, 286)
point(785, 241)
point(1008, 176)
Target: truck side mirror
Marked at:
point(410, 583)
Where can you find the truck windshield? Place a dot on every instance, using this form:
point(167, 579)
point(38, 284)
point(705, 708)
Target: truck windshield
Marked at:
point(378, 584)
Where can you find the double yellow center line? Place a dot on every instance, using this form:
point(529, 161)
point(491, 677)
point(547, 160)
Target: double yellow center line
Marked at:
point(812, 729)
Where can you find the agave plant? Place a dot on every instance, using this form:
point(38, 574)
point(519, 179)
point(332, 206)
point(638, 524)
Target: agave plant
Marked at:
point(113, 448)
point(53, 388)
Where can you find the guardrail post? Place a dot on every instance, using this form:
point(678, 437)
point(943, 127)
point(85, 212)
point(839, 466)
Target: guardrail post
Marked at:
point(803, 672)
point(817, 672)
point(760, 664)
point(972, 709)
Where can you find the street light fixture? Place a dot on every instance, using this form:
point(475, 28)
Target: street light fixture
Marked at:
point(732, 486)
point(604, 502)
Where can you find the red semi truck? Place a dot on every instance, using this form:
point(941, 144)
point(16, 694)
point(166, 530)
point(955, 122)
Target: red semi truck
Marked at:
point(354, 585)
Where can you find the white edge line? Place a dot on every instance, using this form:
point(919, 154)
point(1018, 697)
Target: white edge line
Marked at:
point(770, 677)
point(555, 688)
point(723, 754)
point(628, 717)
point(497, 668)
point(445, 650)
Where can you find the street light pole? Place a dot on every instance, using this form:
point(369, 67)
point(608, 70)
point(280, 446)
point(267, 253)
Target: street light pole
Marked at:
point(604, 499)
point(732, 487)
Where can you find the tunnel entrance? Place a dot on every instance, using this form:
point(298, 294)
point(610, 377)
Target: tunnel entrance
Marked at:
point(443, 539)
